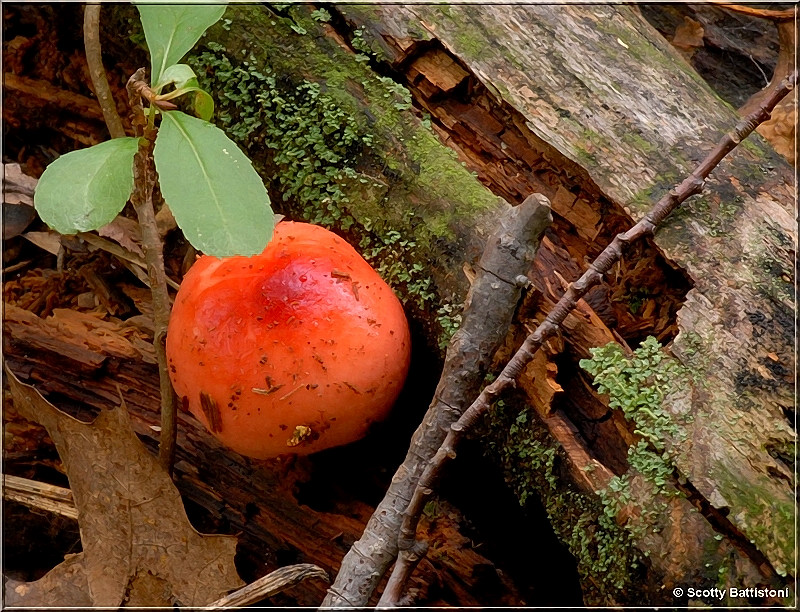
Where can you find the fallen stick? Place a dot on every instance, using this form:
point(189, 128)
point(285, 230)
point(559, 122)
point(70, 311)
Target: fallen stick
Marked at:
point(488, 311)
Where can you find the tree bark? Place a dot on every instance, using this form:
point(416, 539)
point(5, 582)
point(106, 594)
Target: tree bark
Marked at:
point(591, 107)
point(607, 109)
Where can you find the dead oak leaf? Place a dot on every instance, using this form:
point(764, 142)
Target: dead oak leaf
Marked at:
point(138, 545)
point(65, 584)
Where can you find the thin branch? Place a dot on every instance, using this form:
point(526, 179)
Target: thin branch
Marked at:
point(269, 585)
point(489, 310)
point(91, 41)
point(692, 185)
point(142, 200)
point(407, 561)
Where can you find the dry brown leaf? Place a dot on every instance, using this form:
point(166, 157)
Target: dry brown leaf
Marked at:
point(15, 180)
point(49, 241)
point(18, 214)
point(125, 232)
point(689, 35)
point(64, 585)
point(138, 545)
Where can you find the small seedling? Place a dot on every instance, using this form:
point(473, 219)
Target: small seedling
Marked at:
point(218, 199)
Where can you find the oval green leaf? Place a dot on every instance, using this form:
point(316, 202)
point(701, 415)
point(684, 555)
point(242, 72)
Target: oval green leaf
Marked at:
point(171, 30)
point(180, 74)
point(217, 197)
point(85, 189)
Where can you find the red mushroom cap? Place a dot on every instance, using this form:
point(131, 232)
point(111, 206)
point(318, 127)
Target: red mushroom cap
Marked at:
point(295, 350)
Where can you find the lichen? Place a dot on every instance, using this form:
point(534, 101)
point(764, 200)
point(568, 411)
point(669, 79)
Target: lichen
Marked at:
point(608, 562)
point(637, 385)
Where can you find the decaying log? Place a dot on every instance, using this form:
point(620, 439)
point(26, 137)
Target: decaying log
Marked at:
point(592, 109)
point(257, 499)
point(589, 106)
point(757, 41)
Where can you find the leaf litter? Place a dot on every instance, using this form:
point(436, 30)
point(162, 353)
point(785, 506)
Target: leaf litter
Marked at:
point(139, 548)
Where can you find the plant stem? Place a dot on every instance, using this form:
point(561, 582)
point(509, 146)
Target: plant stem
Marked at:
point(142, 199)
point(91, 41)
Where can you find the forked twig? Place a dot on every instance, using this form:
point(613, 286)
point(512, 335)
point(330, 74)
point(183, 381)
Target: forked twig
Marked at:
point(692, 185)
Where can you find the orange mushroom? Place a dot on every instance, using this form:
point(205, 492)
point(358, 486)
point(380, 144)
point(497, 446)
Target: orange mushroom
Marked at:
point(295, 350)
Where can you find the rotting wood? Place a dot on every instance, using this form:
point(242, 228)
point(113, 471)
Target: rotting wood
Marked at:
point(693, 184)
point(253, 498)
point(493, 137)
point(39, 495)
point(53, 96)
point(622, 143)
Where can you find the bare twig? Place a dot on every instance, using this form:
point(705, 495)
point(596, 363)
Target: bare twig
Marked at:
point(142, 200)
point(489, 309)
point(91, 40)
point(692, 185)
point(269, 585)
point(407, 561)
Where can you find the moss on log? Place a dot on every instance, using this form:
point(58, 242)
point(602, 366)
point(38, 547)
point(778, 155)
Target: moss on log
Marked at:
point(340, 146)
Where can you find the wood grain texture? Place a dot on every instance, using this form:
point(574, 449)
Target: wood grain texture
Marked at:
point(596, 90)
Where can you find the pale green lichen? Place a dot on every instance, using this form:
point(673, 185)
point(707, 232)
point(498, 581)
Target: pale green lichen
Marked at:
point(637, 385)
point(607, 560)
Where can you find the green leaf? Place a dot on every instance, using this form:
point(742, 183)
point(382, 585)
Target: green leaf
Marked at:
point(218, 199)
point(171, 30)
point(202, 104)
point(179, 74)
point(85, 189)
